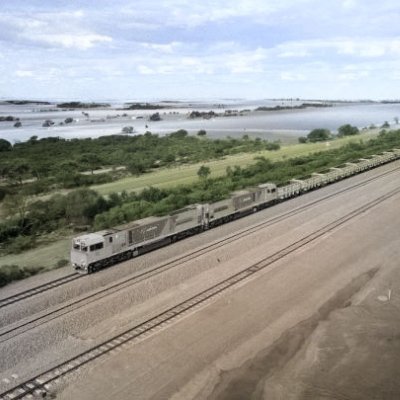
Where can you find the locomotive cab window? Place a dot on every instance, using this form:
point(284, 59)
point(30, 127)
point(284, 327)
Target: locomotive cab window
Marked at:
point(110, 239)
point(96, 246)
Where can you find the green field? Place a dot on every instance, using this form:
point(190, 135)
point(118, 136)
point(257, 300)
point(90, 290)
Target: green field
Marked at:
point(185, 174)
point(45, 256)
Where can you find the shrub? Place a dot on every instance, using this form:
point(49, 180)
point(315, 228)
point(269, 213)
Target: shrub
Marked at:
point(10, 273)
point(62, 263)
point(319, 135)
point(347, 130)
point(21, 243)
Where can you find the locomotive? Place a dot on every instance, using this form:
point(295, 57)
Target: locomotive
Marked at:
point(93, 251)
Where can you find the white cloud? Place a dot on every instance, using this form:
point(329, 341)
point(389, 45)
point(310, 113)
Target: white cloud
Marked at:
point(365, 47)
point(292, 76)
point(55, 29)
point(349, 4)
point(194, 14)
point(24, 74)
point(76, 41)
point(352, 76)
point(164, 48)
point(145, 70)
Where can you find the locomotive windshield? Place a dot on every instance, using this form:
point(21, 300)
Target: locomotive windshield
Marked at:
point(79, 246)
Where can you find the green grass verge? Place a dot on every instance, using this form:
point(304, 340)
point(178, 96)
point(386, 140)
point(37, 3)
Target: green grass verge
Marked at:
point(46, 256)
point(186, 174)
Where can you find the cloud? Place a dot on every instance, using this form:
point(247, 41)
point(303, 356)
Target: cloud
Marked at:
point(358, 47)
point(24, 74)
point(57, 29)
point(80, 41)
point(292, 76)
point(164, 48)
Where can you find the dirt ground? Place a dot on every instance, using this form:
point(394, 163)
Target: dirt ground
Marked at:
point(320, 324)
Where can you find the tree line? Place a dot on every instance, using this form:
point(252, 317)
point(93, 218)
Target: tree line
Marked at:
point(53, 162)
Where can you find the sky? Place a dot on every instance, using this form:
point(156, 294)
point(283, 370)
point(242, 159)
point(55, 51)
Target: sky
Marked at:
point(211, 49)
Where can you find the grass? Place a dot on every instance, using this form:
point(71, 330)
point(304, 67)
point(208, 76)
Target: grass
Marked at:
point(46, 256)
point(187, 174)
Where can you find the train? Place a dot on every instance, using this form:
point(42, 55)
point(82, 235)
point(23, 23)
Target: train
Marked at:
point(93, 251)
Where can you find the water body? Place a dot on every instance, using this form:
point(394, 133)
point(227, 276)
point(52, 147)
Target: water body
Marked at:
point(286, 124)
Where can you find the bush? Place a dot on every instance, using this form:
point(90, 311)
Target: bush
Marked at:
point(319, 135)
point(347, 130)
point(5, 145)
point(62, 263)
point(155, 117)
point(21, 243)
point(127, 129)
point(10, 273)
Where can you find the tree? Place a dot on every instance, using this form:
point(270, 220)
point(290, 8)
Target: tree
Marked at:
point(385, 125)
point(201, 132)
point(319, 135)
point(396, 120)
point(5, 145)
point(68, 120)
point(181, 133)
point(347, 130)
point(77, 203)
point(18, 124)
point(16, 204)
point(155, 117)
point(48, 123)
point(127, 129)
point(92, 161)
point(203, 172)
point(302, 139)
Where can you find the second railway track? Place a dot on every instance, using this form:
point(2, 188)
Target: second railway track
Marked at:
point(43, 381)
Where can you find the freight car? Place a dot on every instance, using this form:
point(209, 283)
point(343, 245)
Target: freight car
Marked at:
point(94, 251)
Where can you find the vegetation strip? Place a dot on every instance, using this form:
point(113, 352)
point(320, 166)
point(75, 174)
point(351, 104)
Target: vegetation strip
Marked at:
point(38, 383)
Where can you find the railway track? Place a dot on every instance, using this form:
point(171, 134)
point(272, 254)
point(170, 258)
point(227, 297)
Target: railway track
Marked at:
point(15, 329)
point(37, 290)
point(42, 382)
